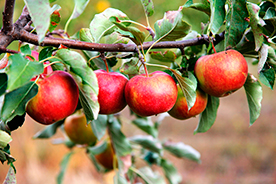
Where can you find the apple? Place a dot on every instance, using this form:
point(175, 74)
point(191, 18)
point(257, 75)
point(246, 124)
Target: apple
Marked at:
point(180, 109)
point(222, 73)
point(56, 99)
point(152, 94)
point(4, 61)
point(106, 158)
point(78, 130)
point(111, 91)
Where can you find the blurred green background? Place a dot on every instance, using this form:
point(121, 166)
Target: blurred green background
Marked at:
point(232, 152)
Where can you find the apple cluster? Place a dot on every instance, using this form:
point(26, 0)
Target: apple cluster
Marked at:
point(218, 74)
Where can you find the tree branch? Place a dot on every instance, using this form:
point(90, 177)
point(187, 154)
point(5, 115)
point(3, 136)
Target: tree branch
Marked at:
point(74, 44)
point(19, 33)
point(8, 16)
point(7, 37)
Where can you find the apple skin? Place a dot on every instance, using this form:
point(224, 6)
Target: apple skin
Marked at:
point(111, 91)
point(56, 99)
point(147, 96)
point(4, 62)
point(78, 130)
point(180, 109)
point(221, 73)
point(106, 157)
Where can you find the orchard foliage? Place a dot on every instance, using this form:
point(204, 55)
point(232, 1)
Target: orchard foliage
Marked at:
point(115, 42)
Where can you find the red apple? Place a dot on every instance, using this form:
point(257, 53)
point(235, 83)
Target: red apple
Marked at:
point(221, 73)
point(151, 95)
point(111, 91)
point(56, 99)
point(4, 61)
point(180, 109)
point(78, 130)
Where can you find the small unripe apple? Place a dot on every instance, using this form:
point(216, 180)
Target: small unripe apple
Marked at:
point(111, 91)
point(78, 130)
point(180, 109)
point(222, 73)
point(151, 95)
point(56, 99)
point(106, 158)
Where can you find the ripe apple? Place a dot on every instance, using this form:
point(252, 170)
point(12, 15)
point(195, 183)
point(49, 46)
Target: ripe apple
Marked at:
point(111, 91)
point(180, 109)
point(56, 99)
point(4, 61)
point(151, 95)
point(221, 73)
point(106, 158)
point(78, 130)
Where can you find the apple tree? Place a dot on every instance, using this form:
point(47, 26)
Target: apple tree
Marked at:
point(177, 66)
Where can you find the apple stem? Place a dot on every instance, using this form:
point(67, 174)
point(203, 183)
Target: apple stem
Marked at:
point(213, 46)
point(105, 62)
point(144, 65)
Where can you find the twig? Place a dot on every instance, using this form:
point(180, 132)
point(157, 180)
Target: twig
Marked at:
point(8, 16)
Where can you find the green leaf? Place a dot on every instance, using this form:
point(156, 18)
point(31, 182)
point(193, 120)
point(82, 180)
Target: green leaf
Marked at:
point(254, 96)
point(45, 53)
point(11, 177)
point(49, 131)
point(15, 101)
point(188, 87)
point(172, 26)
point(130, 66)
point(263, 54)
point(203, 6)
point(40, 12)
point(80, 5)
point(5, 139)
point(236, 22)
point(95, 150)
point(147, 142)
point(147, 174)
point(246, 44)
point(217, 15)
point(182, 150)
point(119, 179)
point(146, 125)
point(3, 83)
point(256, 28)
point(26, 50)
point(120, 142)
point(137, 36)
point(101, 26)
point(99, 126)
point(86, 80)
point(167, 56)
point(148, 7)
point(114, 38)
point(267, 77)
point(208, 116)
point(85, 35)
point(63, 167)
point(171, 172)
point(55, 17)
point(5, 156)
point(21, 71)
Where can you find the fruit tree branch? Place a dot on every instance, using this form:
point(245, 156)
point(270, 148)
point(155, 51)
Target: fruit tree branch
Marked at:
point(8, 16)
point(6, 38)
point(20, 33)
